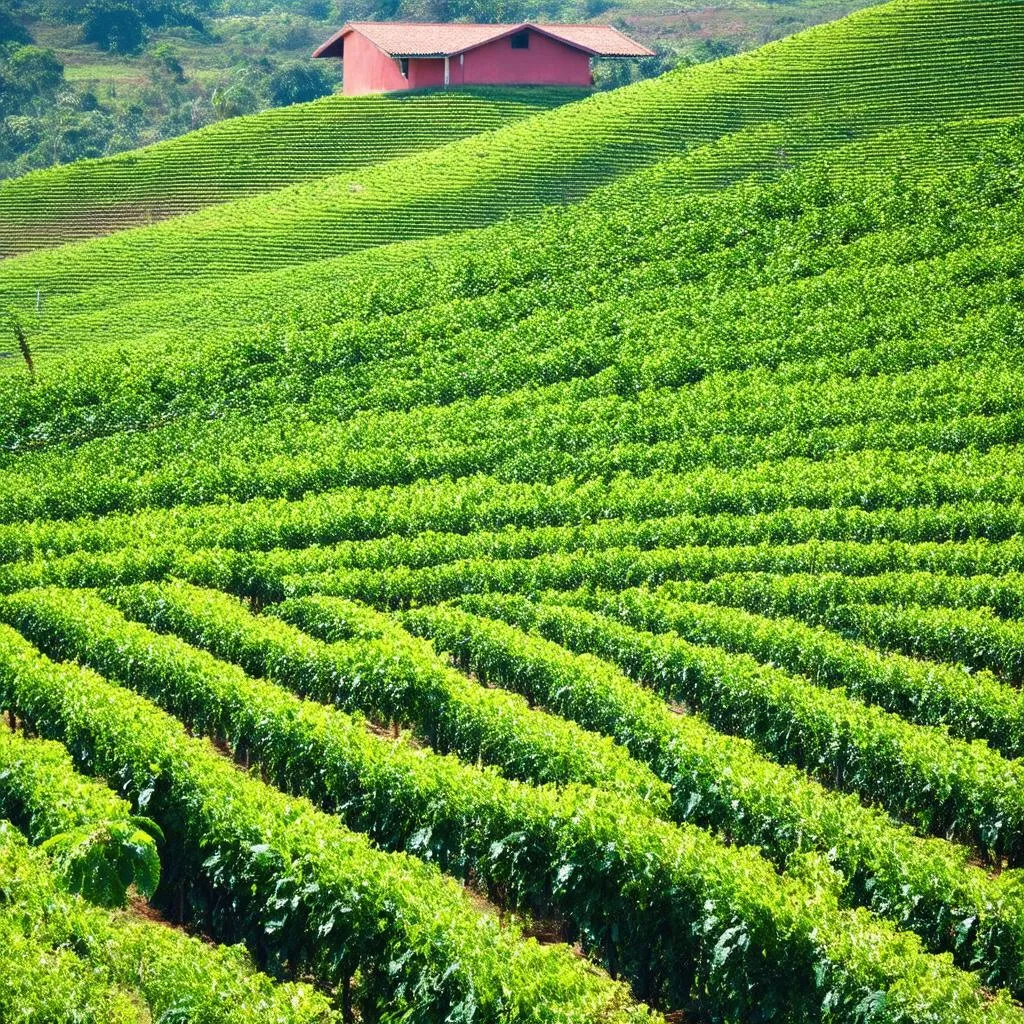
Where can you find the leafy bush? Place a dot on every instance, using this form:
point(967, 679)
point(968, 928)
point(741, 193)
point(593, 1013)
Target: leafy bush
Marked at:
point(298, 83)
point(113, 26)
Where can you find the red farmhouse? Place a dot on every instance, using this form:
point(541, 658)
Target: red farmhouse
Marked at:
point(382, 56)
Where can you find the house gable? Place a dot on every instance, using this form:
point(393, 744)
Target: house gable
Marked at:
point(544, 61)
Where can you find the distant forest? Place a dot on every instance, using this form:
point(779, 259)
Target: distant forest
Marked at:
point(88, 78)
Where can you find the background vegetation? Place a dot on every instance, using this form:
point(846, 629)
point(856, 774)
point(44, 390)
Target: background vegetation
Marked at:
point(89, 78)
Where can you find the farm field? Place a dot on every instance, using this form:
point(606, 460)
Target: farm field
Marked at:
point(245, 156)
point(778, 105)
point(585, 588)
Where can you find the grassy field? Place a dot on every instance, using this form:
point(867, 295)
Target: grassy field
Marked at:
point(246, 156)
point(938, 46)
point(599, 601)
point(103, 71)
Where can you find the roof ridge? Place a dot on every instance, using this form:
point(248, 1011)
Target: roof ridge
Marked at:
point(448, 24)
point(450, 38)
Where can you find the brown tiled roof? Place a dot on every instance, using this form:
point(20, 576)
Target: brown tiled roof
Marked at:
point(425, 39)
point(601, 40)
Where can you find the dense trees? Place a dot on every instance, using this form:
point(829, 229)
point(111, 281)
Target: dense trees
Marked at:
point(298, 83)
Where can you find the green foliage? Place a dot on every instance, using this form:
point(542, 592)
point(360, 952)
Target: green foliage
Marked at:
point(720, 467)
point(392, 677)
point(629, 416)
point(645, 905)
point(64, 960)
point(298, 83)
point(113, 25)
point(11, 30)
point(167, 62)
point(879, 612)
point(98, 848)
point(718, 782)
point(30, 72)
point(943, 786)
point(102, 864)
point(308, 894)
point(481, 516)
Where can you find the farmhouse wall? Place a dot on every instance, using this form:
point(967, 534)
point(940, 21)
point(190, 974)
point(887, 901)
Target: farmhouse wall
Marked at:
point(545, 62)
point(367, 69)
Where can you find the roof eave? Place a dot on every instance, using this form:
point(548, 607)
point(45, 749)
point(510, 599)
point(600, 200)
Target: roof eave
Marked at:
point(329, 47)
point(598, 53)
point(547, 33)
point(323, 49)
point(625, 56)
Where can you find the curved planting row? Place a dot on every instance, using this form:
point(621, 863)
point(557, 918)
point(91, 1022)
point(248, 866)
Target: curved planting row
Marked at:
point(443, 342)
point(933, 615)
point(972, 705)
point(275, 574)
point(807, 596)
point(612, 427)
point(303, 891)
point(245, 156)
point(638, 890)
point(942, 60)
point(943, 786)
point(282, 573)
point(876, 493)
point(719, 781)
point(593, 433)
point(396, 679)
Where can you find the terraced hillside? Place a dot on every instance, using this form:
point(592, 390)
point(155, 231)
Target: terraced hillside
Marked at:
point(907, 62)
point(609, 614)
point(245, 156)
point(720, 497)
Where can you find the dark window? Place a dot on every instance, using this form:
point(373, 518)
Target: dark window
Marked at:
point(403, 65)
point(521, 41)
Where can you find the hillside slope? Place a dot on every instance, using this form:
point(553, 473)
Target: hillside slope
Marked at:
point(755, 453)
point(558, 297)
point(245, 156)
point(231, 315)
point(906, 62)
point(251, 54)
point(643, 573)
